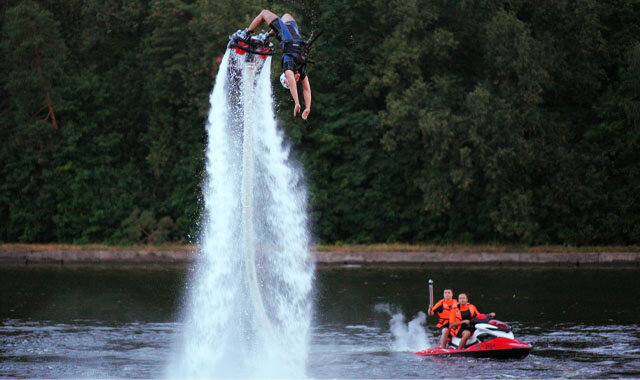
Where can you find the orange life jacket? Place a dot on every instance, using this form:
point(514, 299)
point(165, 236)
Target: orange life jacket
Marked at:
point(444, 313)
point(469, 312)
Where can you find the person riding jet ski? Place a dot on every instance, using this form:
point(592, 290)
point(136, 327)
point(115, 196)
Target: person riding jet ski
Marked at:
point(295, 54)
point(460, 319)
point(443, 308)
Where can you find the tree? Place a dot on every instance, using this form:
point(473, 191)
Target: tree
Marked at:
point(35, 56)
point(611, 150)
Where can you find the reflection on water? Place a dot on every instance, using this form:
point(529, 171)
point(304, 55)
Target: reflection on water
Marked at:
point(122, 322)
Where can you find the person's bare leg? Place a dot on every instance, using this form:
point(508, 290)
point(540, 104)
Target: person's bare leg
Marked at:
point(444, 337)
point(463, 340)
point(264, 16)
point(287, 17)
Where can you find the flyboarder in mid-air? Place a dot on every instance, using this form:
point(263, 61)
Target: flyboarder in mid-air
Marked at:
point(294, 55)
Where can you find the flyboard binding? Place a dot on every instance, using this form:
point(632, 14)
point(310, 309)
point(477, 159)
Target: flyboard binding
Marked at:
point(252, 47)
point(491, 339)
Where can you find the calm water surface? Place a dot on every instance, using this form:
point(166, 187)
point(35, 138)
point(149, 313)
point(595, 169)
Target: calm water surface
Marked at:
point(122, 322)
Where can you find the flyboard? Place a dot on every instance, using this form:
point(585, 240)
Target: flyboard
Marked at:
point(251, 54)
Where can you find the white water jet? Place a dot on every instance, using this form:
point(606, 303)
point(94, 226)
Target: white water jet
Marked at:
point(407, 337)
point(249, 302)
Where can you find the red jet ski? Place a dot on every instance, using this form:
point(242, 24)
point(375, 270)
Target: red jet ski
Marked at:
point(491, 339)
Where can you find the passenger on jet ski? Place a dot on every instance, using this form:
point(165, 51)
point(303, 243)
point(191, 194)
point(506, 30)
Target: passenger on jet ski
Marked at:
point(460, 319)
point(295, 54)
point(443, 308)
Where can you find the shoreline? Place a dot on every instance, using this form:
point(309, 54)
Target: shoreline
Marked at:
point(333, 258)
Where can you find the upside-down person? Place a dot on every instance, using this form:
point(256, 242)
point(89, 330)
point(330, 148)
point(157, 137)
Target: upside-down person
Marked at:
point(443, 308)
point(460, 319)
point(294, 55)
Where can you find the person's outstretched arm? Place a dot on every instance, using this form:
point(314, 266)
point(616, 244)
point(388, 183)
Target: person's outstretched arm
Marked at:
point(293, 88)
point(306, 93)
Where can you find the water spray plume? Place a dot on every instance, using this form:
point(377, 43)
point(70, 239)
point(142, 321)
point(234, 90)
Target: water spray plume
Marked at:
point(407, 336)
point(249, 310)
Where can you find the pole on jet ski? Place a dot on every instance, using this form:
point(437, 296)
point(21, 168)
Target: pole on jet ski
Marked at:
point(430, 294)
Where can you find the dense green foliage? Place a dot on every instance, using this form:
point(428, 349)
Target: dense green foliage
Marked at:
point(432, 121)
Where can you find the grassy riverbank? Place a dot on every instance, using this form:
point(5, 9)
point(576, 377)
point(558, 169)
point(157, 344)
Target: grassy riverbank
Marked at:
point(450, 248)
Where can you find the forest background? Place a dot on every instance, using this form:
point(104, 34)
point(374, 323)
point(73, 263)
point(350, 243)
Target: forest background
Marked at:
point(432, 121)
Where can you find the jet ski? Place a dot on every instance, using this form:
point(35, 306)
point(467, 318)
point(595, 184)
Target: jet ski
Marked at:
point(491, 339)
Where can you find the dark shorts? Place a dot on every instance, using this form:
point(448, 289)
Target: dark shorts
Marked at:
point(285, 31)
point(463, 328)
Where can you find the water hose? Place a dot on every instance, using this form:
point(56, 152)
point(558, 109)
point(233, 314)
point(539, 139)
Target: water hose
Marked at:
point(249, 249)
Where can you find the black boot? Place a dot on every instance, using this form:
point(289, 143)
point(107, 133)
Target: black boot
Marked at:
point(242, 35)
point(263, 38)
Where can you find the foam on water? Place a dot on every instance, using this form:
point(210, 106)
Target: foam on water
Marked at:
point(249, 306)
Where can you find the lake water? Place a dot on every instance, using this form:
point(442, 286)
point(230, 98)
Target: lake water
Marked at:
point(104, 321)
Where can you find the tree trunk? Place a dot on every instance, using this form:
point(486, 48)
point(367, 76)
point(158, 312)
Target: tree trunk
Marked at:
point(47, 92)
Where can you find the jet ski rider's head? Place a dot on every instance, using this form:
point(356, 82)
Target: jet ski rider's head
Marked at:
point(448, 294)
point(462, 298)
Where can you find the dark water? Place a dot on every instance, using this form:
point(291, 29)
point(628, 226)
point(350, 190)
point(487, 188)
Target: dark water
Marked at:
point(122, 322)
